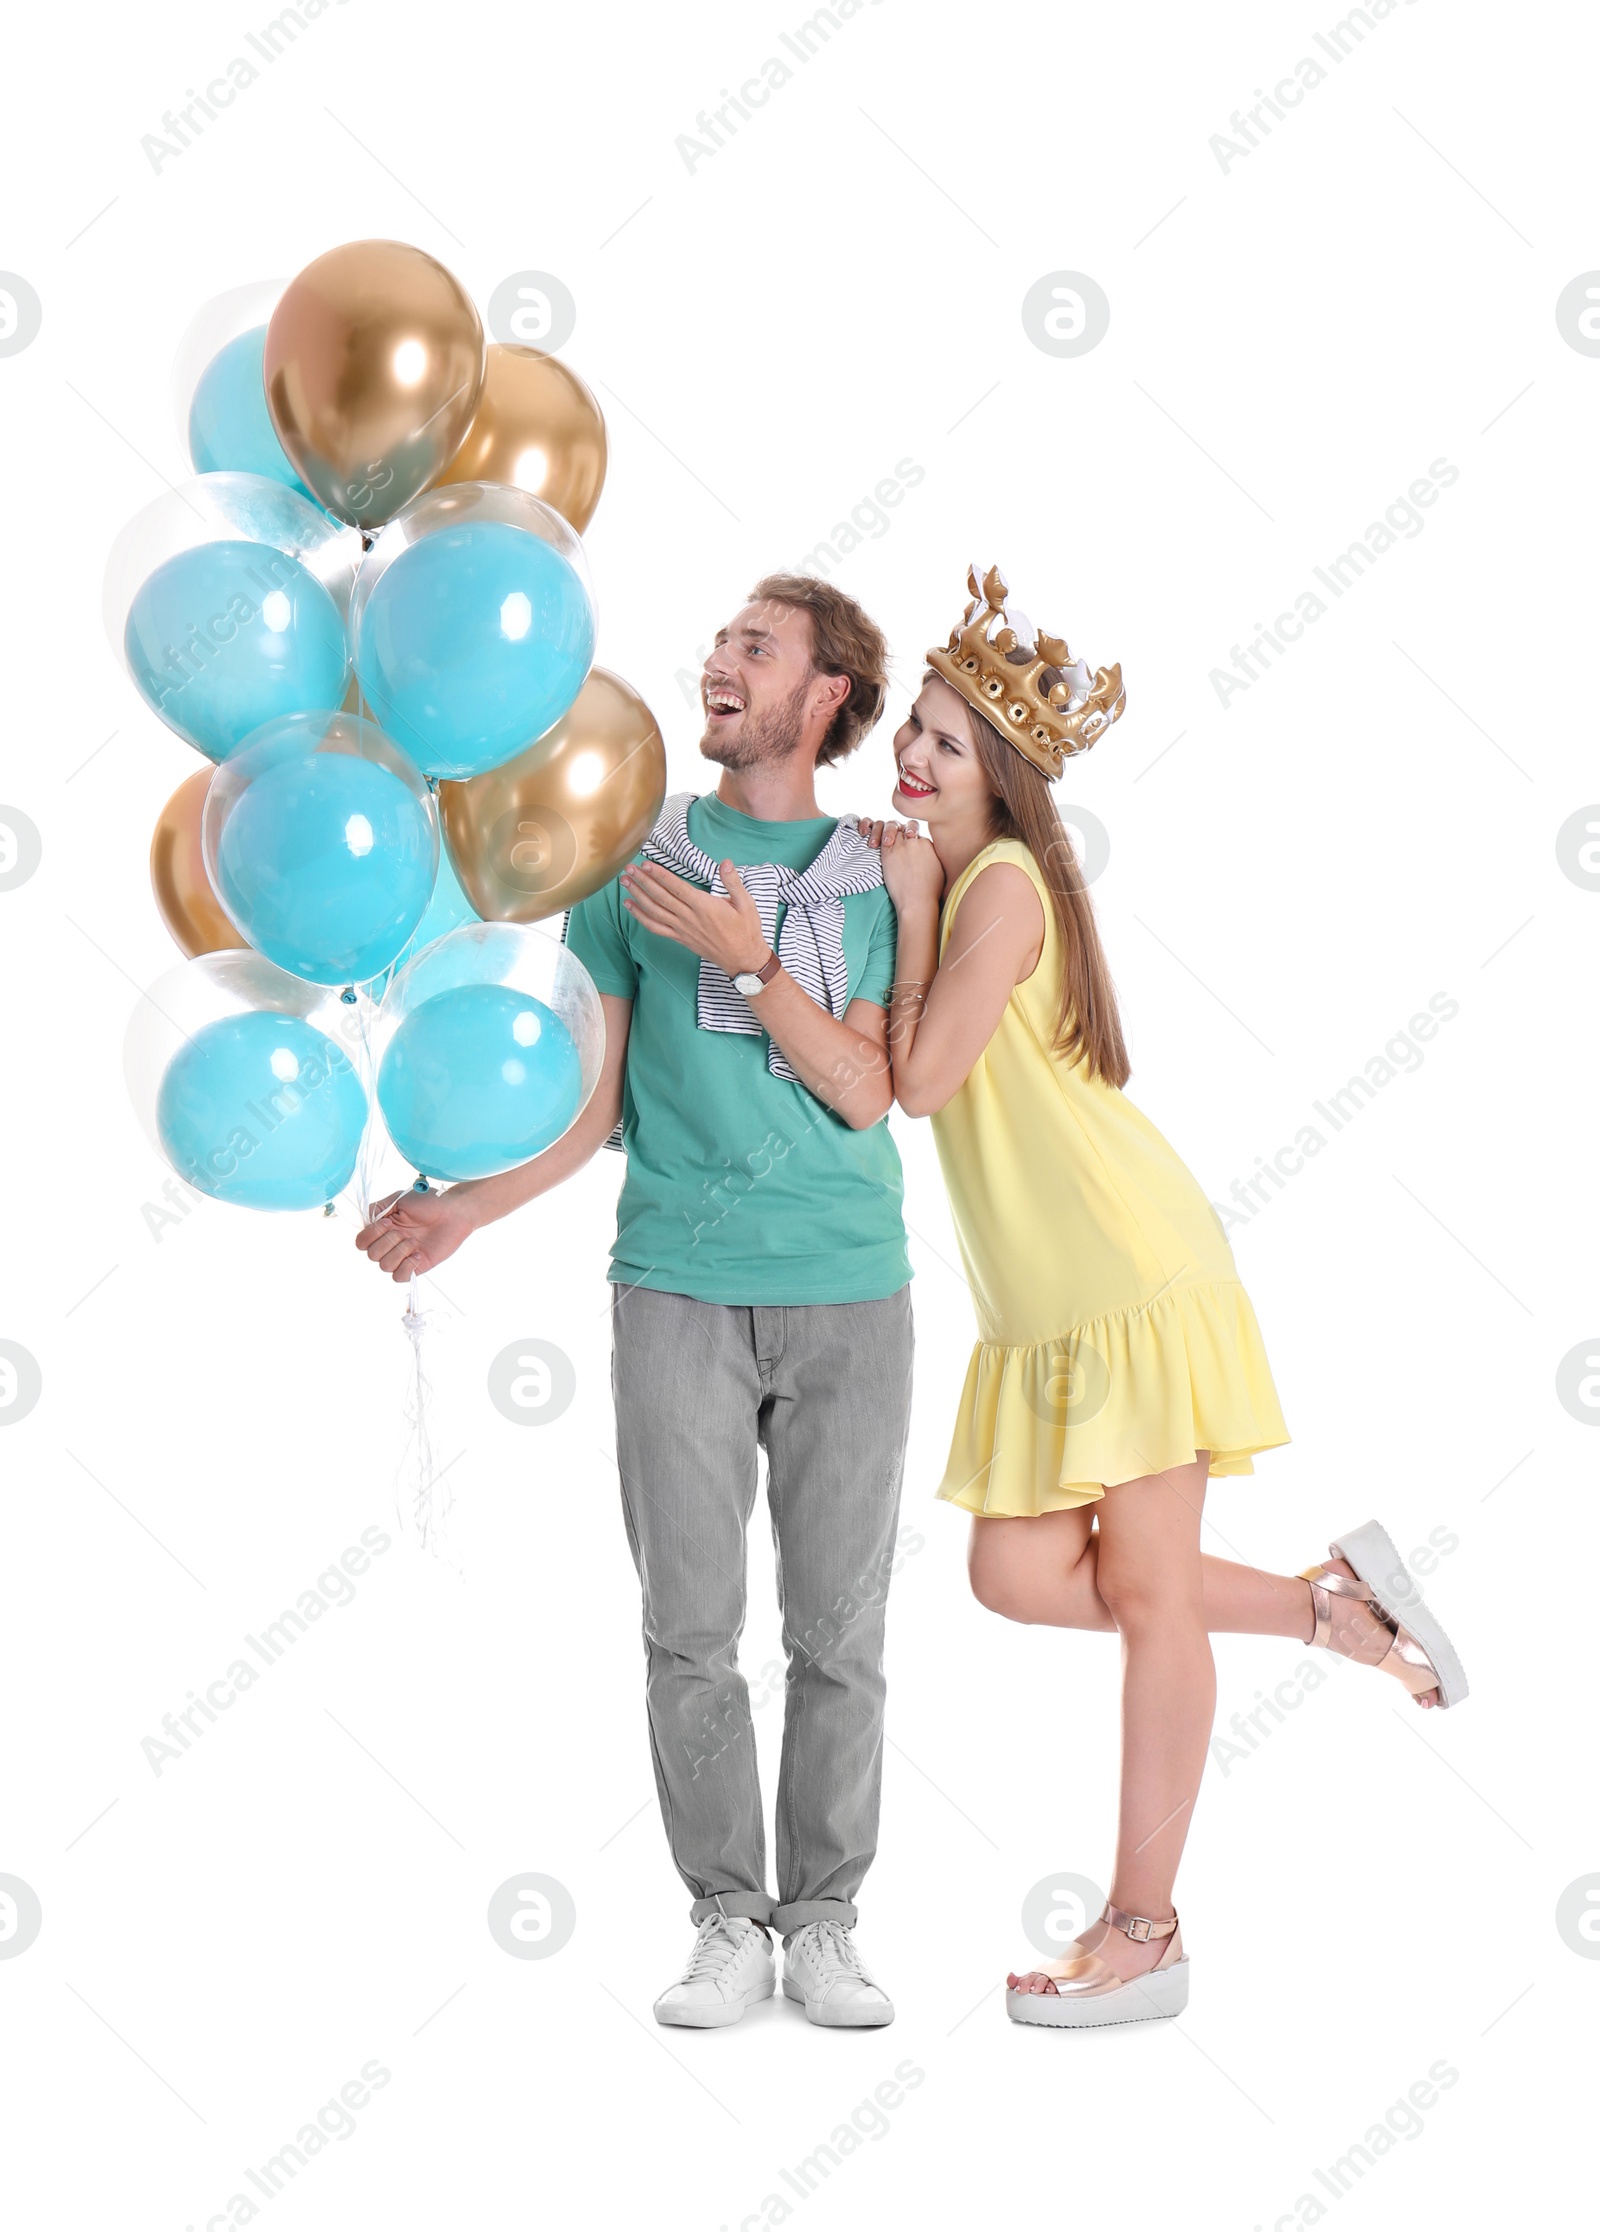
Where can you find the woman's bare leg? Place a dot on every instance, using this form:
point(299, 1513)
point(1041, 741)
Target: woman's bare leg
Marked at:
point(1044, 1572)
point(1149, 1576)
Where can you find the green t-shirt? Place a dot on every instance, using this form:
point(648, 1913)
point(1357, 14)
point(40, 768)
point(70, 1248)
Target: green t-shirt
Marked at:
point(742, 1187)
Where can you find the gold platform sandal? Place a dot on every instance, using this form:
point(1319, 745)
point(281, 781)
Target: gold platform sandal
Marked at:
point(1085, 1991)
point(1420, 1654)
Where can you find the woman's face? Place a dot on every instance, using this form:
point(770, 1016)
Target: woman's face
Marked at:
point(941, 776)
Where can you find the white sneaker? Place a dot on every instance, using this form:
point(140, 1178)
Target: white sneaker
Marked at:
point(729, 1970)
point(825, 1973)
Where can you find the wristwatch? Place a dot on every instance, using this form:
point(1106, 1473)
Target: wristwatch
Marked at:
point(752, 981)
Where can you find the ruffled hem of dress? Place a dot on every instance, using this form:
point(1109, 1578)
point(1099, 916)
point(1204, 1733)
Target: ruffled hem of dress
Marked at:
point(1052, 1424)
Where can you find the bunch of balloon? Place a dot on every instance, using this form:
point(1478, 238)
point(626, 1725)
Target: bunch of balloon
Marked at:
point(370, 612)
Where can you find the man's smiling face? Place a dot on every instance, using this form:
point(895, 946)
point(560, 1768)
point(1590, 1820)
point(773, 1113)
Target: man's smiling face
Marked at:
point(757, 678)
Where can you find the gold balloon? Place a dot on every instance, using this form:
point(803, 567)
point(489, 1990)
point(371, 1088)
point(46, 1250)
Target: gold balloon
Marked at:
point(537, 427)
point(189, 907)
point(560, 819)
point(373, 369)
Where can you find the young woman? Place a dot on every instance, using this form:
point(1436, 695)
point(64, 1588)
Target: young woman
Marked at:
point(1120, 1364)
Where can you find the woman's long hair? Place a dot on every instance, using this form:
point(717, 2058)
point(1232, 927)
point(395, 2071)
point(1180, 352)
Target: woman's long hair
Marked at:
point(1088, 1028)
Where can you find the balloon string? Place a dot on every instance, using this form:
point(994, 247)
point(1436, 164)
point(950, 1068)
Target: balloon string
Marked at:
point(369, 1085)
point(423, 1494)
point(429, 1494)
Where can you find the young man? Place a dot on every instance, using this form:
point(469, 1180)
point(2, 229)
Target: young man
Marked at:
point(761, 1291)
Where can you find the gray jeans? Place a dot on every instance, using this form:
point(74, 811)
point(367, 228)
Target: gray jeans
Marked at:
point(825, 1389)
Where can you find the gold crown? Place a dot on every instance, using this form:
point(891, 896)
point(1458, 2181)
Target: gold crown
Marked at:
point(1032, 689)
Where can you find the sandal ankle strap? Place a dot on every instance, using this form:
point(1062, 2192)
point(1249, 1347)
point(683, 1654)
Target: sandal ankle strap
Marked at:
point(1325, 1586)
point(1336, 1584)
point(1138, 1927)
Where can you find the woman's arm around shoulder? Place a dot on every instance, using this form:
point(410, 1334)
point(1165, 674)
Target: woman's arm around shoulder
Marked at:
point(946, 1011)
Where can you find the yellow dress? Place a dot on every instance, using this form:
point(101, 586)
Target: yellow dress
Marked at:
point(1117, 1339)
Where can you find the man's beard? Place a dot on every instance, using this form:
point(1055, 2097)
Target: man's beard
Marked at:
point(761, 740)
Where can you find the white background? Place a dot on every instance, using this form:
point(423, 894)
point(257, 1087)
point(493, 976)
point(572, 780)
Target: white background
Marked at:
point(1292, 341)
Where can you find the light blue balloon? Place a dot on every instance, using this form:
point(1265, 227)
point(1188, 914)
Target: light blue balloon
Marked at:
point(473, 642)
point(449, 909)
point(262, 1110)
point(230, 428)
point(230, 635)
point(326, 863)
point(477, 1079)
